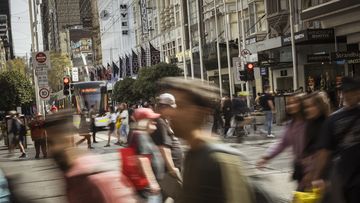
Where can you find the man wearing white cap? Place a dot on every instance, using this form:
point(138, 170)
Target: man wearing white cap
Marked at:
point(168, 144)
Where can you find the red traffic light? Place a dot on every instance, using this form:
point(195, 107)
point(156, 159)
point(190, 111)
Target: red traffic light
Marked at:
point(250, 66)
point(66, 80)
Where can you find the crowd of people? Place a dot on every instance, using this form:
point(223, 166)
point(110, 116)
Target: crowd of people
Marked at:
point(325, 144)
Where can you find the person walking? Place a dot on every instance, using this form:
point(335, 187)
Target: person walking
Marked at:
point(169, 146)
point(268, 107)
point(39, 136)
point(227, 113)
point(15, 130)
point(92, 116)
point(208, 173)
point(294, 136)
point(124, 128)
point(144, 146)
point(339, 149)
point(113, 117)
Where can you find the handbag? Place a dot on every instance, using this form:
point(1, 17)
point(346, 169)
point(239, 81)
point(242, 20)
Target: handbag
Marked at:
point(132, 169)
point(171, 186)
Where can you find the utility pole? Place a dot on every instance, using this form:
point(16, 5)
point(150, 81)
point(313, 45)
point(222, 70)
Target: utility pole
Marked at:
point(218, 48)
point(183, 38)
point(243, 48)
point(190, 40)
point(37, 97)
point(227, 35)
point(293, 49)
point(200, 41)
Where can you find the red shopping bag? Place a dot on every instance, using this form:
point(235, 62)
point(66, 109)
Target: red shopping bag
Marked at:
point(132, 169)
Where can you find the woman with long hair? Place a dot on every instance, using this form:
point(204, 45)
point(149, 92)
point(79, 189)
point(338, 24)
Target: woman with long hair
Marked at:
point(317, 109)
point(293, 136)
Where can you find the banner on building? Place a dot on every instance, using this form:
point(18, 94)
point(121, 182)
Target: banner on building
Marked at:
point(135, 63)
point(115, 69)
point(144, 17)
point(154, 55)
point(127, 66)
point(143, 57)
point(121, 68)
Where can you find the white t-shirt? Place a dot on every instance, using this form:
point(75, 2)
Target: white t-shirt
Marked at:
point(124, 117)
point(113, 117)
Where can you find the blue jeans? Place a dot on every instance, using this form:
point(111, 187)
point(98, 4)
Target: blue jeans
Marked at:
point(124, 131)
point(268, 121)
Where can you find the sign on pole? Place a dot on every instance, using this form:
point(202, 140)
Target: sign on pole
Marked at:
point(44, 93)
point(41, 64)
point(75, 74)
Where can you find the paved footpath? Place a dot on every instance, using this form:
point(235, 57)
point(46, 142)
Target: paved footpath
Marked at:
point(41, 181)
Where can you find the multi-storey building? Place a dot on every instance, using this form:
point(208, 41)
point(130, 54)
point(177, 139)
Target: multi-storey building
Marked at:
point(90, 20)
point(57, 17)
point(5, 28)
point(116, 30)
point(2, 56)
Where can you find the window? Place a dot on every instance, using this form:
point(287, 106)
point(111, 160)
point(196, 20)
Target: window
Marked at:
point(179, 45)
point(252, 18)
point(124, 24)
point(125, 32)
point(283, 5)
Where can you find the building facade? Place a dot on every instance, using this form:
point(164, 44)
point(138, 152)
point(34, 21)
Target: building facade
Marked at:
point(90, 20)
point(5, 28)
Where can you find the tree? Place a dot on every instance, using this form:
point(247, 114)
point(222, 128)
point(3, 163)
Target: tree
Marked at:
point(18, 90)
point(59, 62)
point(124, 91)
point(146, 86)
point(17, 64)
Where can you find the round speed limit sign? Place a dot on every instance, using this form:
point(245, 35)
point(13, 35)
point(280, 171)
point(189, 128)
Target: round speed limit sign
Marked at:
point(44, 93)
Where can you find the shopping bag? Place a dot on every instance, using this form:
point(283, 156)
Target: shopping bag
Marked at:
point(132, 169)
point(313, 196)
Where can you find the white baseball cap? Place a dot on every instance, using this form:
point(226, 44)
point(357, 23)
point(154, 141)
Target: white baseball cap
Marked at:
point(167, 99)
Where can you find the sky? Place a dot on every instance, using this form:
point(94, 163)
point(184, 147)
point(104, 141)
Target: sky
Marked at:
point(20, 23)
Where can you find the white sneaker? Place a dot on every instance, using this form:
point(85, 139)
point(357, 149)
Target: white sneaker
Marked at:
point(270, 136)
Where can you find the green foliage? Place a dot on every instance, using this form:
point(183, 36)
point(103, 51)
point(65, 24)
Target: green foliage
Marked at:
point(144, 87)
point(17, 90)
point(123, 91)
point(17, 64)
point(59, 62)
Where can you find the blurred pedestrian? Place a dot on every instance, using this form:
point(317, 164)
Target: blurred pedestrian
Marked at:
point(118, 124)
point(39, 135)
point(268, 107)
point(124, 128)
point(92, 116)
point(15, 130)
point(294, 136)
point(339, 146)
point(217, 120)
point(169, 146)
point(209, 175)
point(317, 109)
point(227, 113)
point(84, 129)
point(141, 141)
point(113, 117)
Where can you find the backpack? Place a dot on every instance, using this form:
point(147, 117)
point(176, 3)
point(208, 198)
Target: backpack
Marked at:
point(260, 194)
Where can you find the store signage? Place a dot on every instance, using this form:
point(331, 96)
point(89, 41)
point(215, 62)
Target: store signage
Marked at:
point(124, 19)
point(314, 58)
point(250, 41)
point(310, 35)
point(144, 17)
point(336, 56)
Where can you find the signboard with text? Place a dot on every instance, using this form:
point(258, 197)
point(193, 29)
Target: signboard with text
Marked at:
point(41, 64)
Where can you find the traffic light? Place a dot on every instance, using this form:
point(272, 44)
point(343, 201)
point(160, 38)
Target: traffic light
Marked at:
point(243, 75)
point(66, 89)
point(249, 67)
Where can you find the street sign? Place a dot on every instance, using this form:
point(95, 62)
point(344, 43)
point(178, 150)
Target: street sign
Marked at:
point(41, 63)
point(44, 93)
point(75, 74)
